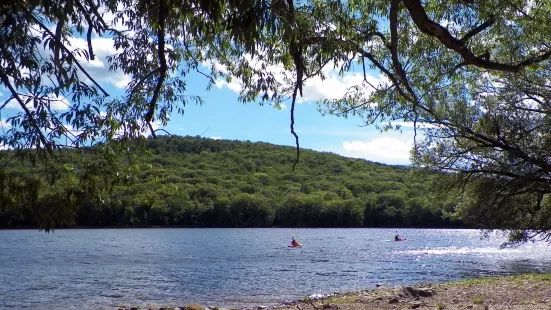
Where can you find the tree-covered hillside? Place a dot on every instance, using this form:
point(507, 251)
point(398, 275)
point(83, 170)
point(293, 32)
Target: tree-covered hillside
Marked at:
point(198, 182)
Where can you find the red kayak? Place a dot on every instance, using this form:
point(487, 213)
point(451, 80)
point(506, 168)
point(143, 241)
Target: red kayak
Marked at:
point(294, 246)
point(401, 239)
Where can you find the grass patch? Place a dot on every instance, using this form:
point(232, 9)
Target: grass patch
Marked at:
point(440, 306)
point(518, 279)
point(342, 299)
point(478, 299)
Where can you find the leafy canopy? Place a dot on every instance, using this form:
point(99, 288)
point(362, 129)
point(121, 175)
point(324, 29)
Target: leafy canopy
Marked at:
point(470, 75)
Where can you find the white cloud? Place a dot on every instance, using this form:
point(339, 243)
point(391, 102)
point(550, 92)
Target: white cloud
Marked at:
point(216, 138)
point(99, 67)
point(381, 149)
point(334, 86)
point(234, 85)
point(56, 103)
point(331, 86)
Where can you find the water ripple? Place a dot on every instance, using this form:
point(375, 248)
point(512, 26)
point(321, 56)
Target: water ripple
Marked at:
point(102, 269)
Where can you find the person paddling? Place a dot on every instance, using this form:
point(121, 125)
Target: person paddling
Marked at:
point(294, 242)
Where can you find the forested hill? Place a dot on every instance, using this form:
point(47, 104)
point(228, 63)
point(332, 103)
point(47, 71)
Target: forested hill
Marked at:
point(198, 182)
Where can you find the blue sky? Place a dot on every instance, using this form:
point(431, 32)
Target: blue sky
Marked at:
point(223, 117)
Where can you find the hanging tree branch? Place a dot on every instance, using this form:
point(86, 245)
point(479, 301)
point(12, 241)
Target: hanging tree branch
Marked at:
point(284, 10)
point(162, 67)
point(5, 79)
point(69, 53)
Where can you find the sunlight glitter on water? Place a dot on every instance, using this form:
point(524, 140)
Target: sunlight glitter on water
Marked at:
point(238, 267)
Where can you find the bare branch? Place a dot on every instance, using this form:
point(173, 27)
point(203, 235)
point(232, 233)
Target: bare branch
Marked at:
point(473, 32)
point(163, 130)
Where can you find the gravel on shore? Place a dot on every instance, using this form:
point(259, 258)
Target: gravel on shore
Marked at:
point(524, 292)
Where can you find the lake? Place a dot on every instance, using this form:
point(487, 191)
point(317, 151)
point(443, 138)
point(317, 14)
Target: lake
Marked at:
point(104, 268)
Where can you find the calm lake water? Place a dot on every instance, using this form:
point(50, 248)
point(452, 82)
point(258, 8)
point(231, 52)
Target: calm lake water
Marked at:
point(104, 268)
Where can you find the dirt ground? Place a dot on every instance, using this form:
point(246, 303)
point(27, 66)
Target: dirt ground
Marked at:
point(528, 292)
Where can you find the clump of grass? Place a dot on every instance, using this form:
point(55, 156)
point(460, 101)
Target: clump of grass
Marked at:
point(440, 306)
point(478, 299)
point(342, 299)
point(517, 279)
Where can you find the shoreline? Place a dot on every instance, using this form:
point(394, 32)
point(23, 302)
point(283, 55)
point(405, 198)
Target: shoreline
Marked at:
point(518, 292)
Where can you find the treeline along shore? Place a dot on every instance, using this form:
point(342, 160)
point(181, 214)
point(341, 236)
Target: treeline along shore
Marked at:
point(200, 182)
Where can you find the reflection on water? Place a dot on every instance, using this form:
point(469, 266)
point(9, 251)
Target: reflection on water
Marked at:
point(94, 269)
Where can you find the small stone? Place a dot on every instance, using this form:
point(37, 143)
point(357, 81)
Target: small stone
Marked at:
point(261, 307)
point(379, 284)
point(134, 308)
point(423, 291)
point(194, 307)
point(415, 304)
point(394, 300)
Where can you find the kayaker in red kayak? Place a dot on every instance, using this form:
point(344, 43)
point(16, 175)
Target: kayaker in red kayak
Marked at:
point(294, 242)
point(397, 238)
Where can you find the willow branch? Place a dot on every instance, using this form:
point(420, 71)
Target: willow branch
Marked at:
point(394, 47)
point(90, 28)
point(295, 91)
point(162, 66)
point(473, 32)
point(69, 53)
point(140, 82)
point(433, 29)
point(94, 10)
point(5, 79)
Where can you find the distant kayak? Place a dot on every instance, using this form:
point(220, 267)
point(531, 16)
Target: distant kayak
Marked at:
point(294, 246)
point(401, 239)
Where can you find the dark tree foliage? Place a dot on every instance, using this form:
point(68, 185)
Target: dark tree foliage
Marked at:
point(198, 182)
